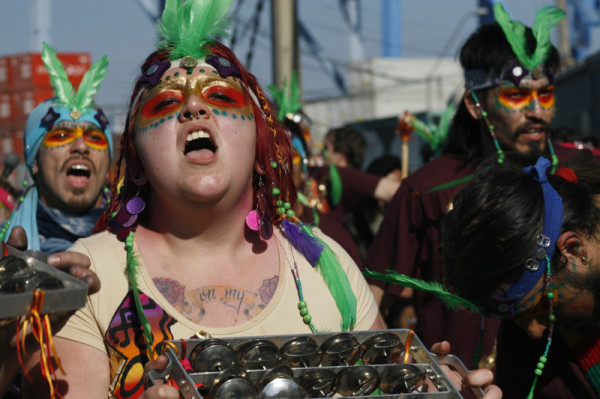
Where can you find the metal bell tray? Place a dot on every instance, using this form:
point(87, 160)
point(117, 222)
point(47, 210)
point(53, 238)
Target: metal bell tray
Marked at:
point(22, 272)
point(359, 364)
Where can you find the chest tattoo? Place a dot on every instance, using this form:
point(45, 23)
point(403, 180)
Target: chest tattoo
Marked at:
point(197, 303)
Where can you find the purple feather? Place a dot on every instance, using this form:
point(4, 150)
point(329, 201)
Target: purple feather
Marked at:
point(306, 244)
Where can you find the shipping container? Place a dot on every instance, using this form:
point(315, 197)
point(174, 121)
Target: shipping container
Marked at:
point(7, 110)
point(4, 74)
point(27, 71)
point(25, 101)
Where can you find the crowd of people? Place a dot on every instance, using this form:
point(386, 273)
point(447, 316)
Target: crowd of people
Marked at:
point(217, 220)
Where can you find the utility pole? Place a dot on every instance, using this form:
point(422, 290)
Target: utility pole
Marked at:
point(285, 41)
point(39, 18)
point(564, 41)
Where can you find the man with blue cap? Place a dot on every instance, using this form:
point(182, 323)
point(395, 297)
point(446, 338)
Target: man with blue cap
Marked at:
point(68, 150)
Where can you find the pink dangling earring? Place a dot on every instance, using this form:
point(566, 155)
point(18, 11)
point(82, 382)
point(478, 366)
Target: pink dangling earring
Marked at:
point(253, 218)
point(258, 219)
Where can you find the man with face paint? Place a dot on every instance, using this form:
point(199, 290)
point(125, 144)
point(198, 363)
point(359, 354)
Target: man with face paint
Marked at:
point(68, 150)
point(507, 106)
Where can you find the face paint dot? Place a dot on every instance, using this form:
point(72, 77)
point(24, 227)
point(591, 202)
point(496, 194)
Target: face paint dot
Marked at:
point(234, 116)
point(224, 113)
point(162, 121)
point(216, 111)
point(243, 117)
point(202, 70)
point(168, 78)
point(190, 71)
point(214, 72)
point(176, 74)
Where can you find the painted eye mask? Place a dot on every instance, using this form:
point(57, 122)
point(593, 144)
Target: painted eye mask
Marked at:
point(62, 136)
point(169, 97)
point(518, 98)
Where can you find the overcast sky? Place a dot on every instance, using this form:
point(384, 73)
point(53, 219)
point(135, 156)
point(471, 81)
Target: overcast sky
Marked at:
point(121, 30)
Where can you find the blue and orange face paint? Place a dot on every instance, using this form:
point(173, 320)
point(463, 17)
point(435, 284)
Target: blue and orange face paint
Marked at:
point(65, 134)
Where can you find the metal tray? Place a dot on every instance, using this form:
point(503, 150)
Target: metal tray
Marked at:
point(71, 297)
point(419, 358)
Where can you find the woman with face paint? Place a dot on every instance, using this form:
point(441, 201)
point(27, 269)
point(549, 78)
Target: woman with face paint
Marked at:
point(200, 234)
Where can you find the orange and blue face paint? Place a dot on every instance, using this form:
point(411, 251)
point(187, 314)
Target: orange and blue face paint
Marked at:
point(66, 134)
point(515, 99)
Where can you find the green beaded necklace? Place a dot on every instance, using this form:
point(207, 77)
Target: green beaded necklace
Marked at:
point(539, 369)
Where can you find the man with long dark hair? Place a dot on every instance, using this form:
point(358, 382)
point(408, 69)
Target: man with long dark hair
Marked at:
point(507, 106)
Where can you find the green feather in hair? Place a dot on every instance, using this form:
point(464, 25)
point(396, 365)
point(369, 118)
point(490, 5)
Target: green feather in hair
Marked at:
point(546, 18)
point(63, 88)
point(186, 27)
point(132, 274)
point(453, 301)
point(288, 98)
point(83, 100)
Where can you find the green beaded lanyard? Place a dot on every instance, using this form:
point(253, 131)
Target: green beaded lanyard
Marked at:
point(306, 317)
point(539, 369)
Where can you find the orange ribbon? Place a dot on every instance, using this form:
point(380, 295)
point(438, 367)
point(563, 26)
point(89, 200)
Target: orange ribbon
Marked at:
point(42, 332)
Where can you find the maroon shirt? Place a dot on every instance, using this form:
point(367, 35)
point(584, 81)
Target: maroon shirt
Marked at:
point(356, 185)
point(562, 377)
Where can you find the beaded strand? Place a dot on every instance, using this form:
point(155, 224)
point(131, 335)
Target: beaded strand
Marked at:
point(552, 318)
point(484, 115)
point(306, 317)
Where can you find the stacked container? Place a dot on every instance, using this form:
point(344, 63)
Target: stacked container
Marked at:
point(24, 83)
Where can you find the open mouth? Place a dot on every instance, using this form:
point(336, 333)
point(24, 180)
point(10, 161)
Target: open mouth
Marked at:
point(199, 140)
point(79, 170)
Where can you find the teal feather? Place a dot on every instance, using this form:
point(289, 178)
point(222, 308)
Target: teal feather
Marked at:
point(63, 88)
point(545, 19)
point(453, 301)
point(337, 282)
point(84, 99)
point(187, 27)
point(132, 274)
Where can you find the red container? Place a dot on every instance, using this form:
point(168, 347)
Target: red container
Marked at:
point(29, 72)
point(7, 110)
point(17, 142)
point(25, 101)
point(5, 74)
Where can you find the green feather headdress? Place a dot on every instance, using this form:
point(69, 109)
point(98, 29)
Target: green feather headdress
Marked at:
point(435, 136)
point(186, 27)
point(288, 98)
point(83, 99)
point(545, 19)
